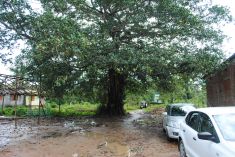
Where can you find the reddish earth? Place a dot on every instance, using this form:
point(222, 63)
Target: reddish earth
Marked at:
point(137, 135)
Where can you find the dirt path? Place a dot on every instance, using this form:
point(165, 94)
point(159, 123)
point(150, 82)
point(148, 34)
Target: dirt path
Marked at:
point(137, 135)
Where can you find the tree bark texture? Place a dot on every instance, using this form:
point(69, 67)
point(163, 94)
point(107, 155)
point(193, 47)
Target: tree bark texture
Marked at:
point(116, 95)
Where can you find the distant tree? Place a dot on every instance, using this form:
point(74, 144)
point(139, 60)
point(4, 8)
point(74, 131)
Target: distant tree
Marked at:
point(109, 46)
point(185, 90)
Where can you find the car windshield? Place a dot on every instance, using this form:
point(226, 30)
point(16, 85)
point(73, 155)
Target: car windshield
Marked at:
point(226, 124)
point(177, 111)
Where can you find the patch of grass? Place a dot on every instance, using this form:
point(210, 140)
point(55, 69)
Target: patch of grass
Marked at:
point(128, 107)
point(8, 111)
point(20, 111)
point(69, 110)
point(152, 107)
point(74, 110)
point(52, 110)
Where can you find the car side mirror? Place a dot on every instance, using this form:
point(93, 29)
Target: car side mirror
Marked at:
point(208, 136)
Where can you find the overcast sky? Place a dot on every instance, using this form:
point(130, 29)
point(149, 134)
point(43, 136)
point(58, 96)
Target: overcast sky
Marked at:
point(229, 30)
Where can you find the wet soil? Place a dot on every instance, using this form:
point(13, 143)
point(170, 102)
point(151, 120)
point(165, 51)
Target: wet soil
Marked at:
point(136, 135)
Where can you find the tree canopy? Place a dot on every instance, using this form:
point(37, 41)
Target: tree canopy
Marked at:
point(104, 47)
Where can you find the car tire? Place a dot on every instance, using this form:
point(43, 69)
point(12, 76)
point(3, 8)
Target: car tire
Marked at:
point(182, 149)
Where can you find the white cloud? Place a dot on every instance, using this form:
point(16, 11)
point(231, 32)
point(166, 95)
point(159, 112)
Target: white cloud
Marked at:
point(228, 29)
point(5, 69)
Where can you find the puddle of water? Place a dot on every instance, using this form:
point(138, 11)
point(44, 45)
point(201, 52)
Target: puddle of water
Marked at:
point(8, 133)
point(4, 141)
point(111, 144)
point(111, 137)
point(94, 135)
point(69, 124)
point(118, 149)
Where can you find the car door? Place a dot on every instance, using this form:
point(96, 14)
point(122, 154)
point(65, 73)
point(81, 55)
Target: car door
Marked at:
point(207, 148)
point(190, 133)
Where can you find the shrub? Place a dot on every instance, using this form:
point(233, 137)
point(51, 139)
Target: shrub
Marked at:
point(8, 111)
point(21, 111)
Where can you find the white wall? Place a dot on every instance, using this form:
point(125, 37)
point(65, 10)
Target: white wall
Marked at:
point(8, 100)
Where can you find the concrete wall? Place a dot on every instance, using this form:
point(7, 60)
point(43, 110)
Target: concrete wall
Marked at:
point(34, 102)
point(221, 87)
point(22, 100)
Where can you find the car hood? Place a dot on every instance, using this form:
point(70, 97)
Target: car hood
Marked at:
point(176, 118)
point(231, 144)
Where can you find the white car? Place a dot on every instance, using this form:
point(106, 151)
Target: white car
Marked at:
point(175, 114)
point(208, 132)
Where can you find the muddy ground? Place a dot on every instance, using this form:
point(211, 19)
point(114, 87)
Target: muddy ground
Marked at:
point(136, 135)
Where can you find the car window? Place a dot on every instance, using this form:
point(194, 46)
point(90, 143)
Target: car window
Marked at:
point(226, 124)
point(206, 124)
point(177, 111)
point(193, 120)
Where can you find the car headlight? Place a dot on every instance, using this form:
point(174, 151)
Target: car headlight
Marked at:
point(173, 124)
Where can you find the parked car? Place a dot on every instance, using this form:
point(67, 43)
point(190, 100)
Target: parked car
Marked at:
point(173, 115)
point(208, 132)
point(143, 104)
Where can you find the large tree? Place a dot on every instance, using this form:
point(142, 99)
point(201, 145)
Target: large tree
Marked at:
point(109, 46)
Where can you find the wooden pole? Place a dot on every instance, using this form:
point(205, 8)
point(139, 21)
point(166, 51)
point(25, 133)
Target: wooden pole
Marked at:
point(3, 94)
point(39, 94)
point(16, 99)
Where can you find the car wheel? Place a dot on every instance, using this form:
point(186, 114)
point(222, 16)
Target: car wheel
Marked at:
point(182, 149)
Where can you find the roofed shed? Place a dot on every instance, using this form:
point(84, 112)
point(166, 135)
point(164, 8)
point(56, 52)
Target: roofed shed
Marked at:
point(221, 85)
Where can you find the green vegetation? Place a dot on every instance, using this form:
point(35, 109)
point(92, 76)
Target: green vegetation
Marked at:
point(103, 50)
point(51, 109)
point(74, 110)
point(21, 111)
point(129, 108)
point(192, 93)
point(152, 107)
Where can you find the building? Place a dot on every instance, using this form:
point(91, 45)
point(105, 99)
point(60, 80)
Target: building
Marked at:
point(8, 98)
point(221, 85)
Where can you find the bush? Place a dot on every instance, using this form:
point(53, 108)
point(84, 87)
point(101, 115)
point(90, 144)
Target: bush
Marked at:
point(73, 110)
point(129, 107)
point(21, 111)
point(8, 111)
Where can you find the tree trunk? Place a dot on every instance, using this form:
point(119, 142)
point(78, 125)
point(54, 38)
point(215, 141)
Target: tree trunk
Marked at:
point(187, 91)
point(116, 95)
point(59, 108)
point(3, 104)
